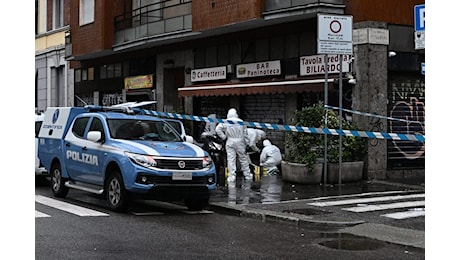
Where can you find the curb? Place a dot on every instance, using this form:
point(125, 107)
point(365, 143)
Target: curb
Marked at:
point(279, 217)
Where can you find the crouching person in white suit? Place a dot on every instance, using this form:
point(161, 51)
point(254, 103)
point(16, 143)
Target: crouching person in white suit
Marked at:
point(270, 157)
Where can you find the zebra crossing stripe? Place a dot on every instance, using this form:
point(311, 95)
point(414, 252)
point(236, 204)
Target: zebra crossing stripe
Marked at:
point(39, 214)
point(67, 207)
point(366, 200)
point(405, 214)
point(396, 205)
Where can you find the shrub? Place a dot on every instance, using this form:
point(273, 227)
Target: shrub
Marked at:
point(308, 148)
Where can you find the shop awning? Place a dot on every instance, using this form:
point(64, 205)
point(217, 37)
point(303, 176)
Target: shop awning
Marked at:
point(268, 87)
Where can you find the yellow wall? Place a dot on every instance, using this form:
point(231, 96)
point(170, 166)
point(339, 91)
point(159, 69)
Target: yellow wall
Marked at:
point(49, 41)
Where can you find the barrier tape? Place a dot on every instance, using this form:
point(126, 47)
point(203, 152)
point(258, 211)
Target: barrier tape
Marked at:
point(291, 128)
point(374, 115)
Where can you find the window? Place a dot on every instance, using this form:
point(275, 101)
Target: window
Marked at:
point(77, 75)
point(79, 126)
point(91, 73)
point(58, 14)
point(84, 74)
point(86, 11)
point(96, 125)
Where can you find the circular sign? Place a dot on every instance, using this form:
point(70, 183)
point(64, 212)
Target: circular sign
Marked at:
point(335, 26)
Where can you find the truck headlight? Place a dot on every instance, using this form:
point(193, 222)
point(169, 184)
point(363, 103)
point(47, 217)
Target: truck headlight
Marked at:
point(207, 161)
point(143, 160)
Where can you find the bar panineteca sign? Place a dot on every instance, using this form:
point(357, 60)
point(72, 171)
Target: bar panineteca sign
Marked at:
point(258, 69)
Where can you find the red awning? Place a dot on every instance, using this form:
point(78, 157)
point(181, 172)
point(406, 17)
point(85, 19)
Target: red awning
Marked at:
point(269, 87)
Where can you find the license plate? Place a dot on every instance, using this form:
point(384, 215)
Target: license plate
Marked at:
point(182, 176)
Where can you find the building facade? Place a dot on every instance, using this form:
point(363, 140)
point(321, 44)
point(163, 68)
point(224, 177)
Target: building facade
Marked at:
point(203, 57)
point(53, 76)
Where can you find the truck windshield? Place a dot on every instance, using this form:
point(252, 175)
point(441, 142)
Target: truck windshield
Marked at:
point(131, 129)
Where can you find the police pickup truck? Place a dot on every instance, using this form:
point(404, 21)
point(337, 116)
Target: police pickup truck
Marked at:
point(121, 153)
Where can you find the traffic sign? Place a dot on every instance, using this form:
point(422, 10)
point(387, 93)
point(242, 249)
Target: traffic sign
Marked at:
point(419, 17)
point(335, 34)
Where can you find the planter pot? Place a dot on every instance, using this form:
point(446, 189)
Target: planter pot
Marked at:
point(299, 173)
point(351, 172)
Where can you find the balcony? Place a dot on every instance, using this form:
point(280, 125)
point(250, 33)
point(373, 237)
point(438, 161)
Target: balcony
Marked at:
point(290, 9)
point(159, 20)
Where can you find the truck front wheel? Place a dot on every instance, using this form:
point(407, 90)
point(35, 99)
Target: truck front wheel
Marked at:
point(57, 181)
point(117, 196)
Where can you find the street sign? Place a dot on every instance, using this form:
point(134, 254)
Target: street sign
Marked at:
point(419, 40)
point(419, 17)
point(423, 68)
point(335, 34)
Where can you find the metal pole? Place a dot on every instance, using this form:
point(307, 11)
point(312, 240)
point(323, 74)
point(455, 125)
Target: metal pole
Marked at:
point(340, 118)
point(325, 117)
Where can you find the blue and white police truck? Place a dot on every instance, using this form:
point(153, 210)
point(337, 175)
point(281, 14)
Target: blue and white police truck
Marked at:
point(123, 154)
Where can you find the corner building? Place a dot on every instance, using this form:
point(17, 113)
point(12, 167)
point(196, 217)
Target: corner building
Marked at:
point(203, 57)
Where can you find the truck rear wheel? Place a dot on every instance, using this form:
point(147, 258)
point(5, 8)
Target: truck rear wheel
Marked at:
point(117, 196)
point(57, 181)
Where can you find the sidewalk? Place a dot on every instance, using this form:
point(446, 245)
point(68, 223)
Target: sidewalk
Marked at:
point(277, 201)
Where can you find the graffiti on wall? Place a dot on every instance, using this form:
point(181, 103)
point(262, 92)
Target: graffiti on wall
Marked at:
point(407, 102)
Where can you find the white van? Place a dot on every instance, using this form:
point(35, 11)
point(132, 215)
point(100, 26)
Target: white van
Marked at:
point(40, 171)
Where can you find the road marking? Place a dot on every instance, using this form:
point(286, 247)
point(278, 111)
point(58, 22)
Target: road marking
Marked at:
point(396, 205)
point(64, 206)
point(405, 214)
point(366, 200)
point(151, 213)
point(39, 214)
point(197, 212)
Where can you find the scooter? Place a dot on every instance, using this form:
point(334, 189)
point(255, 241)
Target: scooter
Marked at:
point(214, 145)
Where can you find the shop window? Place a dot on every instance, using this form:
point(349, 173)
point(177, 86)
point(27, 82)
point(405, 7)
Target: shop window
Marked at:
point(248, 52)
point(291, 43)
point(223, 55)
point(276, 48)
point(78, 75)
point(91, 73)
point(103, 72)
point(110, 71)
point(125, 71)
point(117, 70)
point(84, 74)
point(262, 50)
point(211, 56)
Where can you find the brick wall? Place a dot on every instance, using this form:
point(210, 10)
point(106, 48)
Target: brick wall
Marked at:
point(208, 14)
point(390, 11)
point(96, 36)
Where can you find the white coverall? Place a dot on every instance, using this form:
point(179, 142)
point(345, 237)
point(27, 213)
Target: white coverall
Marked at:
point(237, 138)
point(255, 135)
point(270, 157)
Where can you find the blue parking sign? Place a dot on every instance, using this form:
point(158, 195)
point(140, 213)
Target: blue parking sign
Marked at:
point(419, 17)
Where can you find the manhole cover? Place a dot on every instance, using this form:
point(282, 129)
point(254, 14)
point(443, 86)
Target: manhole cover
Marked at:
point(307, 211)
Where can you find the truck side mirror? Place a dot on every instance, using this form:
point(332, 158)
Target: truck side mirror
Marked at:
point(94, 136)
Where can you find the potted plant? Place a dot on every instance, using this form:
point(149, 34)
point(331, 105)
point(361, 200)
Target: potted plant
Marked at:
point(307, 150)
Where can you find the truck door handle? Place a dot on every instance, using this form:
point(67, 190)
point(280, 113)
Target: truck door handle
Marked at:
point(67, 144)
point(84, 148)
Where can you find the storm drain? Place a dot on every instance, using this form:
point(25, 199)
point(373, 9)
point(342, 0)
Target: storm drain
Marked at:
point(308, 212)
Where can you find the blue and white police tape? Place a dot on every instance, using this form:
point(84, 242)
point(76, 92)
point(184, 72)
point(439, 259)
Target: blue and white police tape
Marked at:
point(291, 128)
point(374, 115)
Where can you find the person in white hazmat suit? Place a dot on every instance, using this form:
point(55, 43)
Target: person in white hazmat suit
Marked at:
point(255, 135)
point(237, 139)
point(270, 157)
